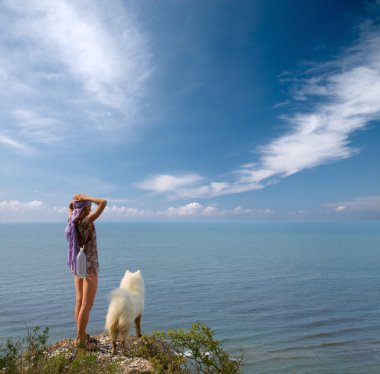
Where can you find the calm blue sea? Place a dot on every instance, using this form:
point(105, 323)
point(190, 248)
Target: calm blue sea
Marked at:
point(295, 297)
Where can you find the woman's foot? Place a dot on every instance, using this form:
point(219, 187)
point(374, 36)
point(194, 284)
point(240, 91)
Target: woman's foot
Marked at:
point(85, 344)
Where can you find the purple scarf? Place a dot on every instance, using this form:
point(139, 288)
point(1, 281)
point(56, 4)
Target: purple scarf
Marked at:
point(72, 234)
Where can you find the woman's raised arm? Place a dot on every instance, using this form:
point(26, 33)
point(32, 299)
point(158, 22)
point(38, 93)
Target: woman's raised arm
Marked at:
point(101, 204)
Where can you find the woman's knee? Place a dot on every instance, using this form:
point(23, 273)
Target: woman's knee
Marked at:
point(87, 305)
point(78, 300)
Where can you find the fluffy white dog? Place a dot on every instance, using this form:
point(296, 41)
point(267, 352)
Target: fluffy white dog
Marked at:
point(126, 308)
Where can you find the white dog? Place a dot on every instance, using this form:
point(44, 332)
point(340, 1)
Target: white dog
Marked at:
point(126, 308)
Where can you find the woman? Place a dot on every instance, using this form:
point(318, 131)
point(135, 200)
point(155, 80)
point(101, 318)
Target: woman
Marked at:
point(80, 231)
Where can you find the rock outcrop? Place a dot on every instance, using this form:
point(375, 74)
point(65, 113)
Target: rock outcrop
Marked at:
point(102, 351)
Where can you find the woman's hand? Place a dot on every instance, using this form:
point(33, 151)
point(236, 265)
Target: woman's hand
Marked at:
point(80, 197)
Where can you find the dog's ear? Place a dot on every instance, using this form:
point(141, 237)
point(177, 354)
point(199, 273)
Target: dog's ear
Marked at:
point(138, 271)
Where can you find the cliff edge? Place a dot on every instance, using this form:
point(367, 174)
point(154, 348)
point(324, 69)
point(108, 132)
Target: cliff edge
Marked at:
point(102, 357)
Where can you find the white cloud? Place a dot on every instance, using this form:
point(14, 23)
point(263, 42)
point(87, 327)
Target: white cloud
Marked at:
point(15, 205)
point(346, 92)
point(254, 213)
point(78, 36)
point(64, 65)
point(367, 204)
point(339, 97)
point(210, 211)
point(190, 210)
point(340, 208)
point(185, 186)
point(168, 183)
point(59, 209)
point(39, 211)
point(129, 212)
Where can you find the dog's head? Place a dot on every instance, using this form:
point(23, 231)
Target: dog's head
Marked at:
point(133, 281)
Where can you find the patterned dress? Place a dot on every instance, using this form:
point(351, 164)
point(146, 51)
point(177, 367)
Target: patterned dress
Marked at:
point(87, 231)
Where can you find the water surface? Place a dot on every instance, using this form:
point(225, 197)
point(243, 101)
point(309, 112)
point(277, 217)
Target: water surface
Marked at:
point(295, 297)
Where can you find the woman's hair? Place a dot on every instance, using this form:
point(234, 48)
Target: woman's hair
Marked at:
point(81, 216)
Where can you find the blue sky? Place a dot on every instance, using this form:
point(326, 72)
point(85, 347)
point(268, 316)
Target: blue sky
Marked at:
point(190, 109)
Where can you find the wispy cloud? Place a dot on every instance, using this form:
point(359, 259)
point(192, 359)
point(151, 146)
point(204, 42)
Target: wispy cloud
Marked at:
point(338, 98)
point(35, 128)
point(168, 183)
point(21, 148)
point(187, 186)
point(78, 37)
point(117, 200)
point(64, 65)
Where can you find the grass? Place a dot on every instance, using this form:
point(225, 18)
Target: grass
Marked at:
point(172, 352)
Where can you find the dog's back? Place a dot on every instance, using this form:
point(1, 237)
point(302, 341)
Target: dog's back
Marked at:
point(126, 307)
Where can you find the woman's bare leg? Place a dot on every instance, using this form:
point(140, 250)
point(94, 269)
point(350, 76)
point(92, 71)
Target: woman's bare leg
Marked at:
point(78, 296)
point(90, 284)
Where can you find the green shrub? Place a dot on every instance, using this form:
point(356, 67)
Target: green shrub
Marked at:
point(9, 356)
point(204, 353)
point(35, 345)
point(192, 351)
point(155, 348)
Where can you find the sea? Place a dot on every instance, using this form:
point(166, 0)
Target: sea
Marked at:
point(292, 297)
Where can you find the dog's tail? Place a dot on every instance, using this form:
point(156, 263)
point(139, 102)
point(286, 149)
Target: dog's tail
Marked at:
point(116, 310)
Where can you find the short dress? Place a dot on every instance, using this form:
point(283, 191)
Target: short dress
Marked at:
point(87, 231)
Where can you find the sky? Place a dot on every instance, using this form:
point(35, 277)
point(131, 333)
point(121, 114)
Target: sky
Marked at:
point(190, 110)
